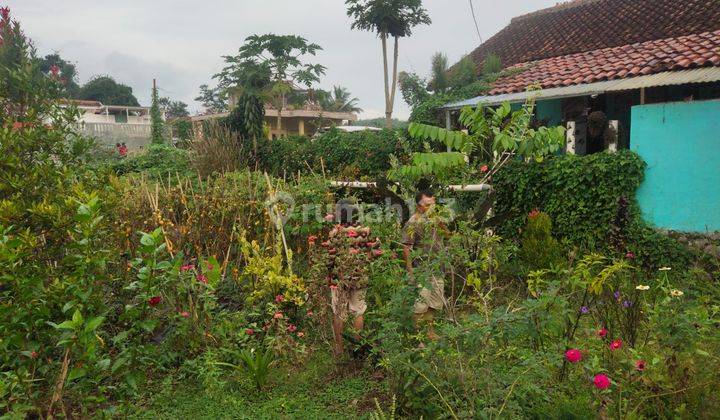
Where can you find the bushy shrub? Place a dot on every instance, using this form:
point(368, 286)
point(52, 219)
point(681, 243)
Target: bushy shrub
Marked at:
point(157, 162)
point(538, 248)
point(582, 194)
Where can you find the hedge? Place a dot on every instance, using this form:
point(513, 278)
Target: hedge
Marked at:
point(581, 194)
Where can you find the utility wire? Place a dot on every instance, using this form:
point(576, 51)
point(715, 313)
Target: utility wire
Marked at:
point(477, 28)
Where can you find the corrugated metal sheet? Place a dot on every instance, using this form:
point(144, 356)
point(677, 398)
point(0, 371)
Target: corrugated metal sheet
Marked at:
point(704, 75)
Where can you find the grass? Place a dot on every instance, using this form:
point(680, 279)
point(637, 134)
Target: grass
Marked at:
point(316, 389)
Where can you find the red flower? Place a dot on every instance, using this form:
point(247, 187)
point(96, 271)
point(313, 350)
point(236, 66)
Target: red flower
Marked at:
point(291, 328)
point(278, 315)
point(616, 344)
point(185, 314)
point(210, 267)
point(484, 168)
point(333, 286)
point(602, 332)
point(54, 70)
point(533, 214)
point(640, 365)
point(630, 255)
point(202, 278)
point(377, 252)
point(5, 13)
point(325, 244)
point(249, 331)
point(332, 251)
point(354, 251)
point(279, 298)
point(310, 313)
point(573, 355)
point(601, 381)
point(352, 233)
point(187, 267)
point(34, 355)
point(312, 239)
point(154, 301)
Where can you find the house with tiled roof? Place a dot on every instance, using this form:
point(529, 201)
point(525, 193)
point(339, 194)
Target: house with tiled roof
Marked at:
point(647, 69)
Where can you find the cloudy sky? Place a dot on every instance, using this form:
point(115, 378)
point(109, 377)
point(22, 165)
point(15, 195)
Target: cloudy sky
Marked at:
point(180, 42)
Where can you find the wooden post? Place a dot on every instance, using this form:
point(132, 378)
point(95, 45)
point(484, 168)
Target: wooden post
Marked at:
point(301, 126)
point(642, 96)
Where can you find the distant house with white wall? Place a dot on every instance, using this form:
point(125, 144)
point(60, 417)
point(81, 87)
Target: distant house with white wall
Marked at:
point(112, 124)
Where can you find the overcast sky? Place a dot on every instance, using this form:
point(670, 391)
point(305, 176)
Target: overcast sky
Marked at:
point(180, 42)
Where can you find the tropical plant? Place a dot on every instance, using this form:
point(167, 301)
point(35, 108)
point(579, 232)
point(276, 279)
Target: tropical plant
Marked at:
point(255, 363)
point(173, 109)
point(338, 100)
point(268, 67)
point(388, 18)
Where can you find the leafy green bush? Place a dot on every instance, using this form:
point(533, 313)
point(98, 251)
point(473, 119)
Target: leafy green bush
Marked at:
point(158, 161)
point(582, 196)
point(538, 249)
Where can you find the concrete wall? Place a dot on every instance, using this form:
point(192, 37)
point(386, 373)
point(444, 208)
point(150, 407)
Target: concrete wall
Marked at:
point(135, 136)
point(680, 142)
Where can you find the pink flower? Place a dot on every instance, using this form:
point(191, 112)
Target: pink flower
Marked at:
point(5, 13)
point(602, 332)
point(333, 286)
point(279, 298)
point(377, 252)
point(630, 256)
point(615, 345)
point(332, 251)
point(325, 244)
point(310, 313)
point(34, 355)
point(301, 334)
point(640, 365)
point(249, 331)
point(202, 278)
point(291, 328)
point(312, 239)
point(484, 168)
point(329, 217)
point(352, 234)
point(601, 381)
point(185, 314)
point(154, 301)
point(54, 70)
point(573, 355)
point(278, 315)
point(187, 267)
point(354, 251)
point(210, 267)
point(534, 213)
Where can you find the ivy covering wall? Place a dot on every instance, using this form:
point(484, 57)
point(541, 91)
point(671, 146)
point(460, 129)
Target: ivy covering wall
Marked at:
point(582, 194)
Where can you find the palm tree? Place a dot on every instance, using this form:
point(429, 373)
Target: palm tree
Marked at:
point(339, 100)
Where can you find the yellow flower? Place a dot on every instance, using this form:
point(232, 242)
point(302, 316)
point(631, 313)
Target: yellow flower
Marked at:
point(665, 269)
point(642, 287)
point(676, 293)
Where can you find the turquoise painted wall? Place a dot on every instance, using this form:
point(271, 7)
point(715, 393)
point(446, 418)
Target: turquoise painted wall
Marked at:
point(680, 142)
point(550, 110)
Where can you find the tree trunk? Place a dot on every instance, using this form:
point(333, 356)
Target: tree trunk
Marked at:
point(388, 105)
point(394, 82)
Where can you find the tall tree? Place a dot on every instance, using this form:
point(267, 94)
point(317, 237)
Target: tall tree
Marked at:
point(157, 125)
point(65, 71)
point(106, 90)
point(388, 18)
point(214, 100)
point(269, 66)
point(173, 109)
point(438, 69)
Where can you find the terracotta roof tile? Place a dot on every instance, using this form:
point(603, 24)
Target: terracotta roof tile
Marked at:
point(614, 63)
point(588, 25)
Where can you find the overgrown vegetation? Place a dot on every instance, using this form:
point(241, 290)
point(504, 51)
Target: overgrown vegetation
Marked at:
point(182, 284)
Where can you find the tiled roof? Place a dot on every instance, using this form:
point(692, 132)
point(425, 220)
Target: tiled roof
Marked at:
point(587, 25)
point(684, 52)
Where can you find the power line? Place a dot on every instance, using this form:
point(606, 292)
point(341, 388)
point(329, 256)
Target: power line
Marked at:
point(477, 28)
